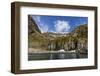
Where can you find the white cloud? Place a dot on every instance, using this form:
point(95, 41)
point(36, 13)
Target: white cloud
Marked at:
point(62, 26)
point(43, 27)
point(37, 18)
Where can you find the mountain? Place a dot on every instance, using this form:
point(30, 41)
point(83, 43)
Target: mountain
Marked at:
point(80, 31)
point(32, 26)
point(75, 40)
point(35, 38)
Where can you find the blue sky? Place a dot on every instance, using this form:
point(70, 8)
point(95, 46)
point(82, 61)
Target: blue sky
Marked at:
point(60, 24)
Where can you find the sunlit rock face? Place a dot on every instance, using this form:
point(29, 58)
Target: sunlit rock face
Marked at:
point(82, 45)
point(77, 40)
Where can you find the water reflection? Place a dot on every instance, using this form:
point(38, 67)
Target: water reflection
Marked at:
point(53, 56)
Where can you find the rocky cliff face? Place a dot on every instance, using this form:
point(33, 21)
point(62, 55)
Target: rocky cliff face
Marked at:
point(32, 26)
point(35, 38)
point(76, 40)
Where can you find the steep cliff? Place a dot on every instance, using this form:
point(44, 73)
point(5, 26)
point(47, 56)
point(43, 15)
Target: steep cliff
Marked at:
point(76, 40)
point(35, 38)
point(32, 26)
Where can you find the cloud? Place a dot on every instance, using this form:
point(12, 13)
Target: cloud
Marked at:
point(61, 26)
point(43, 27)
point(37, 18)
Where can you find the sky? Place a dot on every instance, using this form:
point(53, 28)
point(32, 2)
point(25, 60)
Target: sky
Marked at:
point(58, 24)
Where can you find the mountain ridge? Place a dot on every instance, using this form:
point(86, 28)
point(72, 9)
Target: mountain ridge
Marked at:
point(74, 40)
